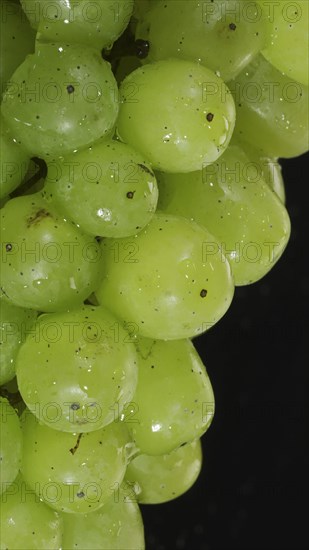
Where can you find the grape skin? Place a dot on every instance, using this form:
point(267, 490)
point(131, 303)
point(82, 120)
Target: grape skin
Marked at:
point(10, 444)
point(84, 363)
point(172, 112)
point(174, 291)
point(162, 478)
point(71, 472)
point(62, 98)
point(47, 263)
point(109, 189)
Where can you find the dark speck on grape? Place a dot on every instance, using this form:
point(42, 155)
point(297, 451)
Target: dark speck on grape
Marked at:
point(232, 26)
point(203, 293)
point(39, 216)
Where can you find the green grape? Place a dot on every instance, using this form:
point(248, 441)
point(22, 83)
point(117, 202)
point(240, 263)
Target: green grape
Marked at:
point(118, 526)
point(288, 40)
point(271, 110)
point(26, 522)
point(15, 323)
point(272, 174)
point(62, 98)
point(17, 40)
point(96, 24)
point(10, 444)
point(47, 263)
point(231, 199)
point(158, 479)
point(108, 189)
point(73, 472)
point(167, 281)
point(14, 162)
point(223, 36)
point(174, 401)
point(77, 370)
point(269, 168)
point(141, 7)
point(172, 112)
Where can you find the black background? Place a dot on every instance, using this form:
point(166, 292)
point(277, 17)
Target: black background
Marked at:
point(253, 489)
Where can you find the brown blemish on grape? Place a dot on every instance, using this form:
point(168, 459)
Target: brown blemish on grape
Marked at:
point(38, 217)
point(130, 194)
point(74, 449)
point(210, 117)
point(203, 293)
point(232, 26)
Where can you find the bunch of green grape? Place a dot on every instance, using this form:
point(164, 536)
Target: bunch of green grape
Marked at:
point(140, 184)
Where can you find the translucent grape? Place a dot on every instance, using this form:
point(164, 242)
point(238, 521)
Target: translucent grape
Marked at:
point(26, 522)
point(116, 526)
point(271, 110)
point(96, 24)
point(60, 99)
point(73, 472)
point(269, 168)
point(231, 199)
point(10, 444)
point(15, 323)
point(77, 370)
point(108, 189)
point(47, 263)
point(288, 40)
point(167, 281)
point(17, 40)
point(174, 401)
point(272, 174)
point(223, 36)
point(14, 162)
point(172, 112)
point(158, 479)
